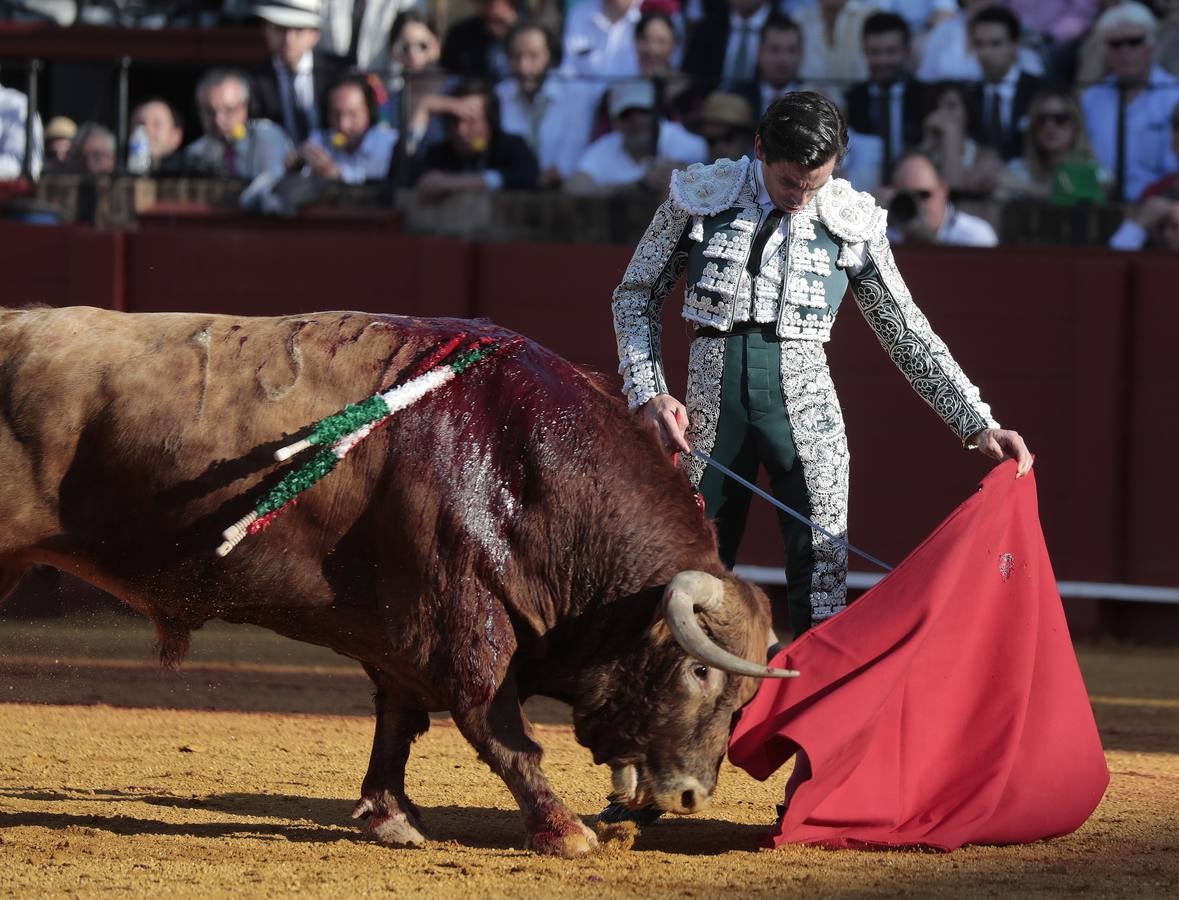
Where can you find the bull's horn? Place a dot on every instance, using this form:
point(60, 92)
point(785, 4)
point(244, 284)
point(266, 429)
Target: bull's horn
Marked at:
point(690, 591)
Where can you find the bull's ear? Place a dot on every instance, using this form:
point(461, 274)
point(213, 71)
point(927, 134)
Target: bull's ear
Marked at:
point(692, 593)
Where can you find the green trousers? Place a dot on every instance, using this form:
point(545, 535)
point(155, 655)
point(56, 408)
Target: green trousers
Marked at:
point(753, 429)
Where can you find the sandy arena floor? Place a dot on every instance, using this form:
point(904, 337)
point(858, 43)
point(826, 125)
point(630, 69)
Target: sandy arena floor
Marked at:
point(237, 777)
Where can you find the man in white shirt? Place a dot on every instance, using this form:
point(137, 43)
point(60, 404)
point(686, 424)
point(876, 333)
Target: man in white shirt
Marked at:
point(600, 39)
point(642, 150)
point(921, 210)
point(552, 112)
point(357, 147)
point(14, 110)
point(779, 57)
point(1129, 114)
point(947, 55)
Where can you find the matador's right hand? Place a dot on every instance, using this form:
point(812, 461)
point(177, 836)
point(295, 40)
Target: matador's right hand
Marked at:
point(669, 417)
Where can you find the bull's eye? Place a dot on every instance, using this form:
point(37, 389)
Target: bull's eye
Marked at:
point(701, 672)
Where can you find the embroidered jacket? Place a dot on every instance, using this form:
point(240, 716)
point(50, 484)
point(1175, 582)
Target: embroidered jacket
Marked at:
point(707, 226)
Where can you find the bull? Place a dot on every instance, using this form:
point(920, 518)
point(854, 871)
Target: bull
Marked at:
point(515, 533)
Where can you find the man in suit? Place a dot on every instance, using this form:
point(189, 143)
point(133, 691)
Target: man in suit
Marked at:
point(779, 57)
point(888, 104)
point(722, 50)
point(475, 47)
point(1005, 91)
point(290, 87)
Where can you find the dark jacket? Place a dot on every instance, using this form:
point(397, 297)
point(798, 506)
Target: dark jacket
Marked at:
point(266, 99)
point(1011, 144)
point(470, 50)
point(862, 116)
point(507, 154)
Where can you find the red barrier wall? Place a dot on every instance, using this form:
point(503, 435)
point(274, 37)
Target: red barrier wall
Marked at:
point(1055, 340)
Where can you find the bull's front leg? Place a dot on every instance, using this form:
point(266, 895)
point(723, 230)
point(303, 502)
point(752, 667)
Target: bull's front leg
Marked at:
point(503, 736)
point(392, 818)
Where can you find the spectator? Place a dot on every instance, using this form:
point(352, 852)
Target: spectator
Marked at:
point(921, 211)
point(358, 30)
point(1168, 185)
point(1057, 163)
point(165, 133)
point(290, 87)
point(832, 32)
point(553, 114)
point(946, 141)
point(1129, 114)
point(94, 151)
point(1154, 223)
point(599, 39)
point(1166, 52)
point(474, 46)
point(723, 50)
point(1058, 26)
point(358, 147)
point(477, 154)
point(1006, 90)
point(888, 104)
point(779, 57)
point(947, 56)
point(656, 49)
point(59, 134)
point(233, 145)
point(642, 150)
point(727, 123)
point(14, 111)
point(414, 75)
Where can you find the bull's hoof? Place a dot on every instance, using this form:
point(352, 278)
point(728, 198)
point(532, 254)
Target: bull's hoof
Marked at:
point(568, 844)
point(395, 830)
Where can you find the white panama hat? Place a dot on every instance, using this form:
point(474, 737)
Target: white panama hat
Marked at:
point(291, 13)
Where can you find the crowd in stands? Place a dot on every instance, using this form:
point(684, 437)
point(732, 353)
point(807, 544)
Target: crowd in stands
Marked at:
point(949, 102)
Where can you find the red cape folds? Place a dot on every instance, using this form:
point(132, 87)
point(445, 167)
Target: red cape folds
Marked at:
point(943, 707)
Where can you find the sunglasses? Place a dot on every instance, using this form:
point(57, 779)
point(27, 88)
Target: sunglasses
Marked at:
point(1122, 43)
point(1059, 118)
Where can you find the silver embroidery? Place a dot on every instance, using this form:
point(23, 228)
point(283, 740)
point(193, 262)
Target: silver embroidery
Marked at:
point(707, 189)
point(817, 422)
point(706, 363)
point(910, 341)
point(652, 273)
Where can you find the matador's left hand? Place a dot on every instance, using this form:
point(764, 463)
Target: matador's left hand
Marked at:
point(1003, 443)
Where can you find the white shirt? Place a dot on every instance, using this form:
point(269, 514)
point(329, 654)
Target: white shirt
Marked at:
point(917, 12)
point(1148, 129)
point(964, 230)
point(607, 163)
point(864, 160)
point(747, 31)
point(303, 94)
point(596, 46)
point(557, 123)
point(369, 161)
point(13, 115)
point(836, 65)
point(948, 56)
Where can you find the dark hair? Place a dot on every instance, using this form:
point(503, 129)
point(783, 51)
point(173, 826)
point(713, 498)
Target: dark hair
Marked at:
point(405, 18)
point(655, 16)
point(933, 92)
point(886, 23)
point(776, 21)
point(359, 80)
point(474, 87)
point(550, 39)
point(803, 127)
point(177, 118)
point(998, 15)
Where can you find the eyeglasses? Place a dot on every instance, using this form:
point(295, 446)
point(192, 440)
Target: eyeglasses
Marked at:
point(1056, 118)
point(1122, 43)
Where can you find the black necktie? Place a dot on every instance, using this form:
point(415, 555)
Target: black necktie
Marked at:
point(357, 22)
point(1120, 157)
point(768, 227)
point(995, 120)
point(884, 100)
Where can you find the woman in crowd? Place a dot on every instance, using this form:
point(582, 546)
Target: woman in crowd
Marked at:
point(1057, 163)
point(964, 165)
point(414, 76)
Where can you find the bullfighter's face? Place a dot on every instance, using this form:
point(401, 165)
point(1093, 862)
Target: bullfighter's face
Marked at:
point(662, 718)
